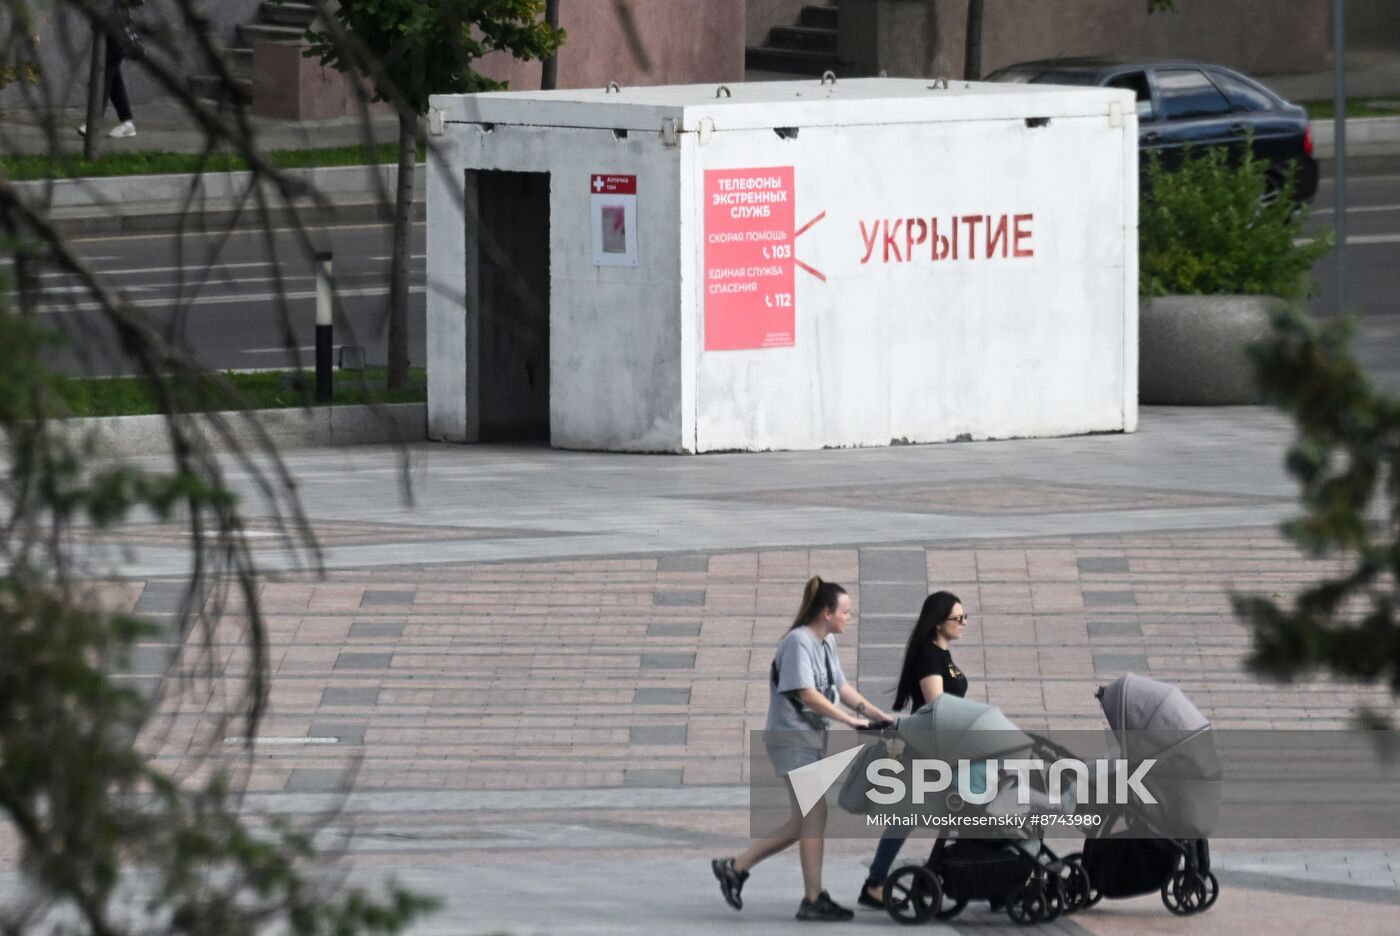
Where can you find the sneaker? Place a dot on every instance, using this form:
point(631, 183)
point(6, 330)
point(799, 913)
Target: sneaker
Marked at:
point(823, 908)
point(866, 899)
point(731, 881)
point(82, 130)
point(122, 130)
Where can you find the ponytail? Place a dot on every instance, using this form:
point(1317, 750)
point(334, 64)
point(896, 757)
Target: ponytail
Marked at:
point(817, 597)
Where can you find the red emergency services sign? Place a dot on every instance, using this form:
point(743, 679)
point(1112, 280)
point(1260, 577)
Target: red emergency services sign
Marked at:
point(749, 270)
point(613, 185)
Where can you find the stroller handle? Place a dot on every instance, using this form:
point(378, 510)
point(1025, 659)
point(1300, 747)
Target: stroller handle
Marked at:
point(1058, 750)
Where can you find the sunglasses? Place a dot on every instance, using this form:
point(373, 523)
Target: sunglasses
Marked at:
point(959, 619)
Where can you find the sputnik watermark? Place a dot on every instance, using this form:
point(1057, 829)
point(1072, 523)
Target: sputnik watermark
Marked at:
point(1115, 783)
point(1035, 821)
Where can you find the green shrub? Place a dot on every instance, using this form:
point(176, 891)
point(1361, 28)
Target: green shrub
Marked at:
point(1205, 229)
point(133, 396)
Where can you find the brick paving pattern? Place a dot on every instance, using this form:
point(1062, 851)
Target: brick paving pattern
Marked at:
point(559, 674)
point(537, 683)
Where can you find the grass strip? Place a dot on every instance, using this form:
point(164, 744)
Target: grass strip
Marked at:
point(131, 396)
point(152, 162)
point(1356, 107)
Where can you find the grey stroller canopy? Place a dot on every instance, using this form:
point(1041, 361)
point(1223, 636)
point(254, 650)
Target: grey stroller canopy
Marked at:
point(1136, 703)
point(951, 728)
point(1153, 720)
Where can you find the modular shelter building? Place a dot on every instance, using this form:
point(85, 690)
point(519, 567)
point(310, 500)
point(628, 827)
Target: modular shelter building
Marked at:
point(782, 265)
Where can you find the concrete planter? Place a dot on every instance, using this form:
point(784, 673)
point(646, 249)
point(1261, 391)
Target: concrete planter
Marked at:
point(134, 436)
point(1192, 348)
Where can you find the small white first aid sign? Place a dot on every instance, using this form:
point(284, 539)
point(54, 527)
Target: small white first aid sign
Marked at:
point(613, 214)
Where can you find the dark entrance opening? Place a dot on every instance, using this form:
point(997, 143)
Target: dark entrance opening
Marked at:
point(513, 323)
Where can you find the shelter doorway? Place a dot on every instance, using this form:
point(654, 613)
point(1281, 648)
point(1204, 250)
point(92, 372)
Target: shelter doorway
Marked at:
point(512, 309)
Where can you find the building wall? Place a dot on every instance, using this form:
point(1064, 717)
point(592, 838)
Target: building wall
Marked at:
point(666, 42)
point(1250, 35)
point(1373, 25)
point(926, 37)
point(763, 15)
point(64, 43)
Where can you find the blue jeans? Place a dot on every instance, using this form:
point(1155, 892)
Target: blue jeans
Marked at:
point(885, 854)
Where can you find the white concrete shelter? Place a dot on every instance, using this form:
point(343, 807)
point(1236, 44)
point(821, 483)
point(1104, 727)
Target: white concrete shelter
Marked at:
point(785, 265)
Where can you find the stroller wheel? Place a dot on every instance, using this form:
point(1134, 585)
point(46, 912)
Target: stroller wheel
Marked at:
point(913, 895)
point(1212, 891)
point(1092, 895)
point(951, 908)
point(1026, 905)
point(1185, 892)
point(1077, 887)
point(1054, 900)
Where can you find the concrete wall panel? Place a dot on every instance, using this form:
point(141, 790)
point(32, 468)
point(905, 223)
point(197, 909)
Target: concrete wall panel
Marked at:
point(910, 350)
point(451, 199)
point(615, 371)
point(615, 338)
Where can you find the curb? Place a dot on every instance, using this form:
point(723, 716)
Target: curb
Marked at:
point(201, 219)
point(1361, 131)
point(135, 436)
point(123, 191)
point(125, 204)
point(1361, 163)
point(1373, 145)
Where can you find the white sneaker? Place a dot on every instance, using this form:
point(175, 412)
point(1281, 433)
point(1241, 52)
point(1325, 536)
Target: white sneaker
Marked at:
point(124, 129)
point(82, 129)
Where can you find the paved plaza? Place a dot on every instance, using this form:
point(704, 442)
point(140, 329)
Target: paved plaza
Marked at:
point(538, 677)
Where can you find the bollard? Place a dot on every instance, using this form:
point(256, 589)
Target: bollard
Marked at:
point(324, 334)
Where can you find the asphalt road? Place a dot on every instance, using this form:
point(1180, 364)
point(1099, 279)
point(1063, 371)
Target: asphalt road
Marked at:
point(219, 293)
point(1373, 245)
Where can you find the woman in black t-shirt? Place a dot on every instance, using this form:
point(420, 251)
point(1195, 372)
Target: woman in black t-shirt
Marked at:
point(928, 672)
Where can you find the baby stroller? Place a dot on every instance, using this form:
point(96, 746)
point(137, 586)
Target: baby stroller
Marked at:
point(1129, 853)
point(1019, 873)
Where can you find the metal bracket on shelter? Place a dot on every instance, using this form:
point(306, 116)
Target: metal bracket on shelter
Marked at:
point(670, 131)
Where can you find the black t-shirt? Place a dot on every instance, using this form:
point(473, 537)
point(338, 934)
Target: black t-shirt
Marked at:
point(933, 660)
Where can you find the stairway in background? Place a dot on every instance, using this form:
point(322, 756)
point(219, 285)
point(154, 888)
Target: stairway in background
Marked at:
point(276, 21)
point(808, 48)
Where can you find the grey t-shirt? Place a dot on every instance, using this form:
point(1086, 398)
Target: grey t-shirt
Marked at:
point(802, 663)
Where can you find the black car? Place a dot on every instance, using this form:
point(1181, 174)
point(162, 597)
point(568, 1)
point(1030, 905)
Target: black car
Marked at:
point(1180, 103)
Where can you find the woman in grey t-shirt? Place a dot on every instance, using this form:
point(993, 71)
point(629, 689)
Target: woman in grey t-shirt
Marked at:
point(806, 684)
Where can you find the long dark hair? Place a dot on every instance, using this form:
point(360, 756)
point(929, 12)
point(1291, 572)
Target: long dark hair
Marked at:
point(817, 597)
point(935, 611)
